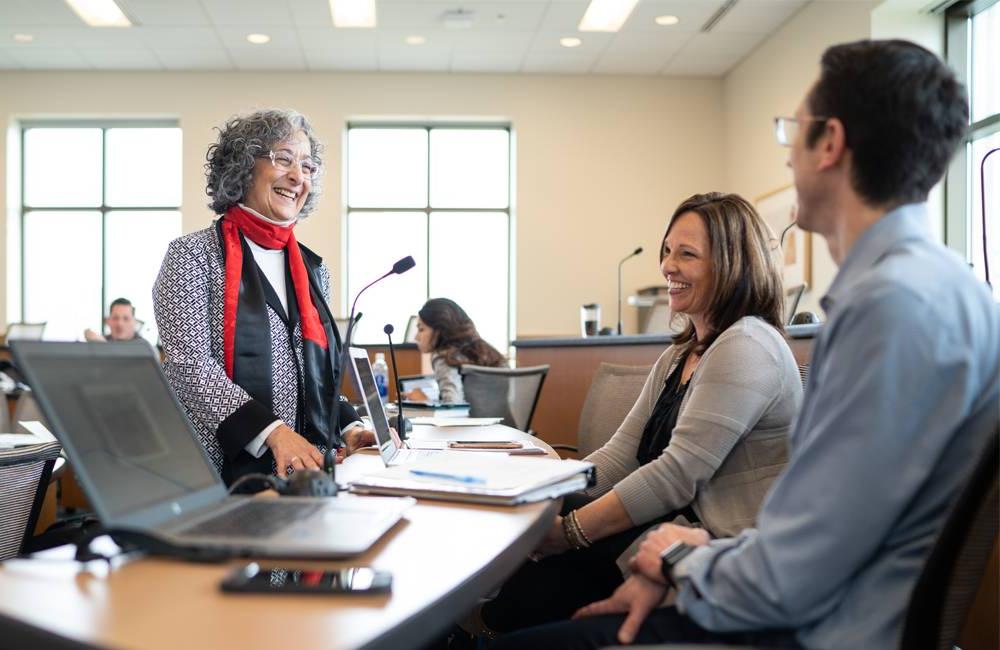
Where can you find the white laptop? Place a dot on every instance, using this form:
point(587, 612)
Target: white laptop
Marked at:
point(141, 465)
point(390, 447)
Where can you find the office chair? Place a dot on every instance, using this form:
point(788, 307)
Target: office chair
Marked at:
point(24, 478)
point(26, 410)
point(508, 393)
point(611, 396)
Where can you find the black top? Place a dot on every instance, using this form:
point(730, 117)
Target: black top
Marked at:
point(663, 419)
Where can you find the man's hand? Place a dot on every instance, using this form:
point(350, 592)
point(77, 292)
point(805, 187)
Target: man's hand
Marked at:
point(292, 450)
point(553, 543)
point(92, 336)
point(648, 561)
point(636, 597)
point(415, 395)
point(357, 438)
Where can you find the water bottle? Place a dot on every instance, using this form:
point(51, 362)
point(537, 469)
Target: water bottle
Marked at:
point(381, 371)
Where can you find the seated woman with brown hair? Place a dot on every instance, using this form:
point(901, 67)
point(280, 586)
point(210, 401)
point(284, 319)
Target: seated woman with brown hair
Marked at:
point(446, 332)
point(708, 433)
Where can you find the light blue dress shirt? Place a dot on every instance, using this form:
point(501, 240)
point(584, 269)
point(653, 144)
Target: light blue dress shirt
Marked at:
point(909, 354)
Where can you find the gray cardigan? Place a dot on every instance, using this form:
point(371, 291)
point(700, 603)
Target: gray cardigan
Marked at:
point(731, 437)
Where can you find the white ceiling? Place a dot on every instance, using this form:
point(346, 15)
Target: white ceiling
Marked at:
point(511, 36)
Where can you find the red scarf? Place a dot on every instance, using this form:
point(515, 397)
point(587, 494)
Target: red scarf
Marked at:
point(236, 221)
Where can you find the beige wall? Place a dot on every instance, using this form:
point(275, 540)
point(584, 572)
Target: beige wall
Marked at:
point(601, 161)
point(772, 81)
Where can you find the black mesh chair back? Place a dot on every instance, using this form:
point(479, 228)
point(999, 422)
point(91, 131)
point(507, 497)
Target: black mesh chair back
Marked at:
point(508, 393)
point(24, 477)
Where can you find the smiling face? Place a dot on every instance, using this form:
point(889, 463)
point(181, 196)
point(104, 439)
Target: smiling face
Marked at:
point(425, 336)
point(276, 193)
point(687, 265)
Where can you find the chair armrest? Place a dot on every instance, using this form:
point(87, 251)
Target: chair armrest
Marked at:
point(565, 447)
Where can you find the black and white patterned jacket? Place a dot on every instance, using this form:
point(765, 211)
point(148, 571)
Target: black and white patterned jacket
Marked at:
point(188, 303)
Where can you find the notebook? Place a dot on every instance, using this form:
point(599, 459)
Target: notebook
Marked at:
point(141, 465)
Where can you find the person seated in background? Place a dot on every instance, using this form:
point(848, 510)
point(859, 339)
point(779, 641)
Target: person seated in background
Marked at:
point(708, 433)
point(121, 323)
point(252, 349)
point(901, 398)
point(447, 333)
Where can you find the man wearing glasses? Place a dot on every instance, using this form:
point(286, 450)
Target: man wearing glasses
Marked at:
point(902, 393)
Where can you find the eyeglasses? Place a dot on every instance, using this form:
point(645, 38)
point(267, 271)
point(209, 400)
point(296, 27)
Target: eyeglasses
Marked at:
point(786, 128)
point(284, 161)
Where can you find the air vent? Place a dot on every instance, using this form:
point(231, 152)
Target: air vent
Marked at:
point(714, 19)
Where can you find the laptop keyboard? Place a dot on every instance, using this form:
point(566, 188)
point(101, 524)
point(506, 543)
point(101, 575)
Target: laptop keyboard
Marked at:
point(255, 518)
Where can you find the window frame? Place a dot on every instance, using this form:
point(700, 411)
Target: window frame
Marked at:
point(23, 127)
point(427, 210)
point(962, 171)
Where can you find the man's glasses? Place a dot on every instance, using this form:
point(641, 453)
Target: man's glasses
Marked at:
point(286, 162)
point(786, 128)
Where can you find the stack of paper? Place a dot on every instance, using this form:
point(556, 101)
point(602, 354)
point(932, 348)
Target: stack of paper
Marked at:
point(480, 478)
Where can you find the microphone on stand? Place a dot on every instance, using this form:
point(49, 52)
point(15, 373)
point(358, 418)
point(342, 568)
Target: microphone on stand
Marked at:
point(330, 458)
point(625, 259)
point(402, 424)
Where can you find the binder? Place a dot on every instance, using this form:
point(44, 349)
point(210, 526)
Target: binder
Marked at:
point(482, 478)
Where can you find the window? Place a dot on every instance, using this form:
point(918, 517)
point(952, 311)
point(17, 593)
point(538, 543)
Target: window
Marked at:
point(442, 195)
point(974, 50)
point(99, 204)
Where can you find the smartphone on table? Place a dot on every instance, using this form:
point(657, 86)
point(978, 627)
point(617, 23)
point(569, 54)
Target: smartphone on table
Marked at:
point(254, 578)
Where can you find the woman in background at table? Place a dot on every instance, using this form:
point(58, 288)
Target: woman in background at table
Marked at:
point(707, 435)
point(447, 333)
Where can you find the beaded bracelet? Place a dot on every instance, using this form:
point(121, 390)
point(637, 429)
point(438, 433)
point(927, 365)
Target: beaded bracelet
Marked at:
point(575, 536)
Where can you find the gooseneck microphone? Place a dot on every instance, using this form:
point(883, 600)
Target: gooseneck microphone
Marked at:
point(402, 423)
point(330, 458)
point(624, 259)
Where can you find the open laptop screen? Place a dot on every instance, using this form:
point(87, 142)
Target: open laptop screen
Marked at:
point(121, 427)
point(366, 380)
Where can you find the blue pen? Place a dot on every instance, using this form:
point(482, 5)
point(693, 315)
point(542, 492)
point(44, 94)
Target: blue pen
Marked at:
point(451, 477)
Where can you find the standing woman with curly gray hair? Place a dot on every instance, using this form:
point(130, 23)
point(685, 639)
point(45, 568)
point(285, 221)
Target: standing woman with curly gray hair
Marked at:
point(251, 347)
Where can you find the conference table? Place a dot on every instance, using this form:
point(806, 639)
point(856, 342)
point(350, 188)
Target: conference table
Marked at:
point(443, 557)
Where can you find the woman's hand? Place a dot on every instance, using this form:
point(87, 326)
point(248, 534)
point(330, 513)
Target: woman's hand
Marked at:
point(292, 450)
point(553, 543)
point(358, 438)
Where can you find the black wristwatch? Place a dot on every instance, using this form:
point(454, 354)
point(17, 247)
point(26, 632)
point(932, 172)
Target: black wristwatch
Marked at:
point(670, 558)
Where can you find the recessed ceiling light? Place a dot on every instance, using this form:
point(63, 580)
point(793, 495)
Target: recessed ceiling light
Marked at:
point(353, 13)
point(23, 38)
point(606, 15)
point(258, 39)
point(667, 20)
point(415, 40)
point(570, 41)
point(99, 13)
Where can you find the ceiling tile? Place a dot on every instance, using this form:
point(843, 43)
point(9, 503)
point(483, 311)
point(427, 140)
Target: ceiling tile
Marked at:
point(593, 42)
point(499, 42)
point(636, 63)
point(195, 59)
point(564, 16)
point(469, 61)
point(315, 13)
point(269, 59)
point(44, 13)
point(49, 58)
point(342, 59)
point(761, 16)
point(235, 38)
point(436, 39)
point(568, 62)
point(411, 58)
point(692, 14)
point(342, 39)
point(180, 37)
point(248, 12)
point(114, 59)
point(161, 12)
point(650, 42)
point(7, 62)
point(114, 38)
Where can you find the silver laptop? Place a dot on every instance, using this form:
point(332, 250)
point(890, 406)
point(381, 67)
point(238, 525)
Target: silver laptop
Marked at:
point(141, 465)
point(393, 452)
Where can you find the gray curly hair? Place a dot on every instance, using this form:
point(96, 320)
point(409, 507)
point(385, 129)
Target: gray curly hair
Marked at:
point(243, 139)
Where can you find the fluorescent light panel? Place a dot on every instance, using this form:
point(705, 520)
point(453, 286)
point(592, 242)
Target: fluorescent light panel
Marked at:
point(606, 15)
point(99, 13)
point(353, 13)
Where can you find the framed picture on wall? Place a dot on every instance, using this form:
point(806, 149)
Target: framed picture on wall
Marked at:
point(778, 210)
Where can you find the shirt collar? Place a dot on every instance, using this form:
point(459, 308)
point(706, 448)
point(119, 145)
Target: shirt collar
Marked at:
point(280, 224)
point(905, 222)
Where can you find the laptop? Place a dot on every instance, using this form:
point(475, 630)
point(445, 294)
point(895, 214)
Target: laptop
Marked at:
point(142, 467)
point(390, 447)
